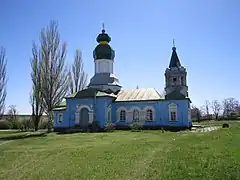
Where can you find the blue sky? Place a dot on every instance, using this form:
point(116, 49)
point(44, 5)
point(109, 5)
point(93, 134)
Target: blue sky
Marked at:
point(206, 33)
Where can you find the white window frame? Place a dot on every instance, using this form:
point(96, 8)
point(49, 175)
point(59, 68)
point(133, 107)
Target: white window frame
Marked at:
point(146, 114)
point(118, 113)
point(172, 108)
point(122, 117)
point(149, 115)
point(136, 117)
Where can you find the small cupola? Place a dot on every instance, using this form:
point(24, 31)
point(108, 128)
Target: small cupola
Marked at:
point(103, 49)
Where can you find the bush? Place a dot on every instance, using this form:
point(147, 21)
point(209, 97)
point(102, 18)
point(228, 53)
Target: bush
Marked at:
point(13, 123)
point(26, 124)
point(110, 127)
point(3, 124)
point(135, 127)
point(225, 125)
point(43, 124)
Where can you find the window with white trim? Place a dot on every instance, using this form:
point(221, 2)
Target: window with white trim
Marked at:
point(172, 109)
point(60, 118)
point(122, 115)
point(135, 115)
point(149, 115)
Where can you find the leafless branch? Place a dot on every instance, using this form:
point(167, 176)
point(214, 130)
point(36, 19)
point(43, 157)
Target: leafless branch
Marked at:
point(36, 98)
point(216, 107)
point(77, 75)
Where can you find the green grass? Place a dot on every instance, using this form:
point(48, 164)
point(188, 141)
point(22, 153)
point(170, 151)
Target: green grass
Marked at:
point(124, 155)
point(10, 133)
point(217, 123)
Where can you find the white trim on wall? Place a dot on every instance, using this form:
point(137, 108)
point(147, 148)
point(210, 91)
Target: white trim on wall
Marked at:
point(172, 108)
point(118, 113)
point(145, 112)
point(78, 110)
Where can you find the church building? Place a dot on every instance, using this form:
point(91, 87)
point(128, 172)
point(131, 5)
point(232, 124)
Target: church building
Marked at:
point(104, 100)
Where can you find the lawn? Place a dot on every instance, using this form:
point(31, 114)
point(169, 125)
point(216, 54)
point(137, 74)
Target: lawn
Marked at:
point(124, 155)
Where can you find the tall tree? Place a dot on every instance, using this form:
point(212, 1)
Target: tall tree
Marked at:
point(77, 75)
point(36, 98)
point(54, 73)
point(3, 80)
point(229, 106)
point(207, 109)
point(216, 107)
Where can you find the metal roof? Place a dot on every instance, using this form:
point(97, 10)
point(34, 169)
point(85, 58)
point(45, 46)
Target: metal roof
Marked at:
point(104, 79)
point(146, 94)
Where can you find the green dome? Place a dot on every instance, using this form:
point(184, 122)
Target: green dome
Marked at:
point(103, 49)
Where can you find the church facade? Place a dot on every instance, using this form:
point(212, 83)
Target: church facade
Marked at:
point(105, 101)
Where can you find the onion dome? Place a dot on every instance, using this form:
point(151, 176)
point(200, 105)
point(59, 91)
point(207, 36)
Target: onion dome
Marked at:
point(103, 49)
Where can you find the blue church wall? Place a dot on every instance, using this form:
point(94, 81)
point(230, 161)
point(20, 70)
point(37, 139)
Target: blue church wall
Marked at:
point(56, 122)
point(129, 107)
point(182, 113)
point(102, 110)
point(160, 113)
point(99, 106)
point(72, 107)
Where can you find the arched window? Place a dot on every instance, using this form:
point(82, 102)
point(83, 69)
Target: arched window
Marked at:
point(122, 115)
point(135, 115)
point(149, 115)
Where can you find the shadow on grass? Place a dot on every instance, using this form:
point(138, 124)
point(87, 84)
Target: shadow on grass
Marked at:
point(23, 136)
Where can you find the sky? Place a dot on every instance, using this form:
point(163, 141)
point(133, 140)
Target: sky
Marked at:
point(206, 33)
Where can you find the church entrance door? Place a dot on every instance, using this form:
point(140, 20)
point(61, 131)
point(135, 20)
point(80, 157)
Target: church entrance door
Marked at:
point(84, 117)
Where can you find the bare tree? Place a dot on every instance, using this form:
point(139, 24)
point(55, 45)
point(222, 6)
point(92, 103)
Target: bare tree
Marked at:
point(206, 108)
point(77, 75)
point(196, 113)
point(36, 98)
point(3, 80)
point(12, 120)
point(216, 107)
point(229, 106)
point(54, 74)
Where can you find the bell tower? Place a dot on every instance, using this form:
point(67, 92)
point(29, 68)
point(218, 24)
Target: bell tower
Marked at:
point(175, 77)
point(104, 78)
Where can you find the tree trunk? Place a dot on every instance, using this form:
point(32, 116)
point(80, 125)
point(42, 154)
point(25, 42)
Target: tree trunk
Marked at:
point(36, 122)
point(50, 125)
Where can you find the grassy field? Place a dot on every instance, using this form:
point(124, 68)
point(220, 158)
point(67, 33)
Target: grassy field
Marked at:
point(124, 155)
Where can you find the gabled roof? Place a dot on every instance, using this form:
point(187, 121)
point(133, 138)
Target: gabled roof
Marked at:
point(146, 94)
point(90, 92)
point(174, 62)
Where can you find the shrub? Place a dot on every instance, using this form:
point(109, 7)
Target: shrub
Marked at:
point(13, 123)
point(3, 124)
point(225, 125)
point(110, 127)
point(135, 127)
point(43, 124)
point(26, 124)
